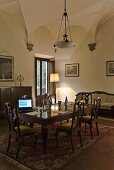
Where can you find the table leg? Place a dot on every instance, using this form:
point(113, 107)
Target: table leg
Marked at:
point(45, 137)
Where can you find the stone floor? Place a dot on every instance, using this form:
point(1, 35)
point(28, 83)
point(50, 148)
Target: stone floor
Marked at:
point(98, 157)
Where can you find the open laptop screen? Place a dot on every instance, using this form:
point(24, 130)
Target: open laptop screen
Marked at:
point(25, 105)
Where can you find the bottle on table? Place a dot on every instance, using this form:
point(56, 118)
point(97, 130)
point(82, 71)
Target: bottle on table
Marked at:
point(66, 102)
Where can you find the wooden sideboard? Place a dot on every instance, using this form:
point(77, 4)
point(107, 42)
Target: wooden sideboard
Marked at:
point(12, 94)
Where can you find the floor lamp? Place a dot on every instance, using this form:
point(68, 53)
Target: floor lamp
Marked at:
point(54, 78)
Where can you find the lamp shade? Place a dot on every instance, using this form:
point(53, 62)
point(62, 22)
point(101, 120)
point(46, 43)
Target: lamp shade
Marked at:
point(64, 44)
point(54, 77)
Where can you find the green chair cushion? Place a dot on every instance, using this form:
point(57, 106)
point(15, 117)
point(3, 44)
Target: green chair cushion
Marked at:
point(25, 129)
point(66, 127)
point(87, 118)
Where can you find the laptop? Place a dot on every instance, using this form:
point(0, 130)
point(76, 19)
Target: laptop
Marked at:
point(25, 105)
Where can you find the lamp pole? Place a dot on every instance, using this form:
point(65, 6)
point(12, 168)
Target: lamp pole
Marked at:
point(54, 78)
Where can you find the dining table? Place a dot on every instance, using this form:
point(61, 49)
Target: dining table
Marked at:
point(45, 118)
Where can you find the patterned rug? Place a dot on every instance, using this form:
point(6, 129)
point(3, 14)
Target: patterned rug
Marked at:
point(55, 158)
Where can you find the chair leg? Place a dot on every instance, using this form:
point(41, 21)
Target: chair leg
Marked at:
point(8, 143)
point(18, 150)
point(97, 129)
point(56, 136)
point(80, 138)
point(85, 127)
point(71, 142)
point(91, 130)
point(23, 143)
point(35, 142)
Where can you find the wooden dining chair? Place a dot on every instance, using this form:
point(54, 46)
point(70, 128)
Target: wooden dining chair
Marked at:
point(90, 115)
point(71, 125)
point(17, 130)
point(85, 96)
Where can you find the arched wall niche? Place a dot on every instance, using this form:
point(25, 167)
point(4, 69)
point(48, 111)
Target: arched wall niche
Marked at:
point(102, 20)
point(43, 41)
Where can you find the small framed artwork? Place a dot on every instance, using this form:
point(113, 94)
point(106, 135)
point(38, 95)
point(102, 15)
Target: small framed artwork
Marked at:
point(6, 68)
point(72, 70)
point(110, 68)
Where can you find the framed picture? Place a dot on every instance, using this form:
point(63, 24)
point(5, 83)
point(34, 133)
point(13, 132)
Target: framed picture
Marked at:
point(72, 70)
point(6, 68)
point(110, 68)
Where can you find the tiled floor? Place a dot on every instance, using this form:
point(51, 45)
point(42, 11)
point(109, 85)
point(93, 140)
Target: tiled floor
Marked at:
point(98, 157)
point(7, 165)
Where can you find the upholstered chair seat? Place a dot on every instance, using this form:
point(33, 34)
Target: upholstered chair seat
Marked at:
point(25, 130)
point(87, 118)
point(65, 127)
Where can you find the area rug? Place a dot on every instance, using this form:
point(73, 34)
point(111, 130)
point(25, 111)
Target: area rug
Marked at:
point(55, 158)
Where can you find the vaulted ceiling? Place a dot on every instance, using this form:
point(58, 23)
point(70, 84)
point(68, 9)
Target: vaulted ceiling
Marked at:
point(33, 17)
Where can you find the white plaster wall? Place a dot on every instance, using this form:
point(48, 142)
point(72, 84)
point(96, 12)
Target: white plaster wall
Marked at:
point(23, 60)
point(92, 65)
